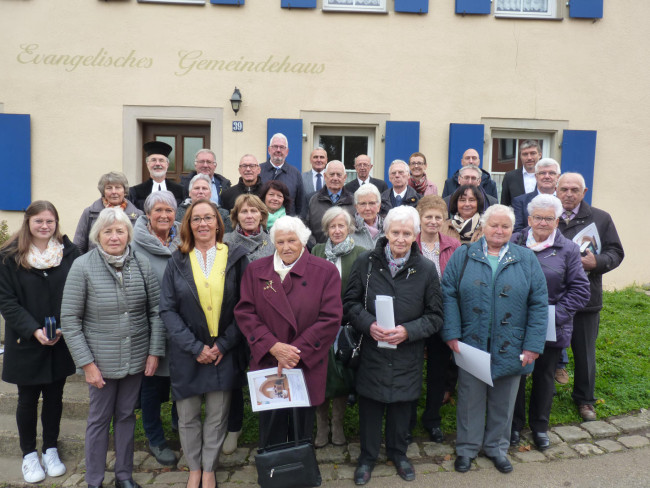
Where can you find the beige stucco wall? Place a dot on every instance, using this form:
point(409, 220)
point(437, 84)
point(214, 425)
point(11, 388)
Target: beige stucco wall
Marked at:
point(436, 68)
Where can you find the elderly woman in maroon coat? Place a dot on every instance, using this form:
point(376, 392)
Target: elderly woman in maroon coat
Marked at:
point(290, 312)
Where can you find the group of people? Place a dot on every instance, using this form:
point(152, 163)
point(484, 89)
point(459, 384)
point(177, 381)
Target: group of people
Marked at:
point(187, 289)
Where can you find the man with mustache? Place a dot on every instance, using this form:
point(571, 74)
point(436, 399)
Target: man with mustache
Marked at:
point(157, 159)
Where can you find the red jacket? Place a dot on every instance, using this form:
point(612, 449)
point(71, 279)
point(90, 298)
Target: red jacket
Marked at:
point(305, 311)
point(447, 247)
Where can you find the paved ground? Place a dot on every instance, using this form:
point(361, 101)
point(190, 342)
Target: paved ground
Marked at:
point(607, 453)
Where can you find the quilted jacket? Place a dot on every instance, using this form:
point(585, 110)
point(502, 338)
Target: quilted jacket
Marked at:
point(113, 324)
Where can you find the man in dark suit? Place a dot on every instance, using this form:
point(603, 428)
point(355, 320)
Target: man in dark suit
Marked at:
point(471, 175)
point(578, 216)
point(205, 162)
point(157, 159)
point(487, 183)
point(363, 165)
point(401, 193)
point(521, 180)
point(313, 180)
point(547, 172)
point(276, 168)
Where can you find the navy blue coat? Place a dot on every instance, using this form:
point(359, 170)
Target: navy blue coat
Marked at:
point(503, 317)
point(567, 283)
point(187, 328)
point(291, 177)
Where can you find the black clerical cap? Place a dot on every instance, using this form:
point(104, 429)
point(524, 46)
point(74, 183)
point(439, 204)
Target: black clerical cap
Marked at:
point(156, 147)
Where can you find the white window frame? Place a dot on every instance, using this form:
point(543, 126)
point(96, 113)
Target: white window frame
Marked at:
point(346, 120)
point(554, 11)
point(346, 131)
point(355, 6)
point(549, 131)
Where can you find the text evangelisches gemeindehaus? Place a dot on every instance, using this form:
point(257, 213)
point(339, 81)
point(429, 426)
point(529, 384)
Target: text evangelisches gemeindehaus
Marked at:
point(190, 61)
point(31, 54)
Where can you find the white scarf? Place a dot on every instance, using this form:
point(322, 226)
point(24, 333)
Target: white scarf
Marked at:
point(283, 269)
point(50, 258)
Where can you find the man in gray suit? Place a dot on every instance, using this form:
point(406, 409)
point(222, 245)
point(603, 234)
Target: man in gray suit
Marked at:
point(313, 180)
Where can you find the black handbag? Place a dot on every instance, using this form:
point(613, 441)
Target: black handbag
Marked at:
point(348, 345)
point(288, 465)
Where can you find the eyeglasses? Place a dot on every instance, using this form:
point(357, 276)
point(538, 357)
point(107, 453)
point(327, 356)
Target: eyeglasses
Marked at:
point(362, 165)
point(248, 166)
point(49, 223)
point(537, 219)
point(208, 219)
point(205, 161)
point(157, 160)
point(417, 163)
point(279, 148)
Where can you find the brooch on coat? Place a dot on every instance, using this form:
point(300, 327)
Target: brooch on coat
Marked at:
point(269, 285)
point(410, 272)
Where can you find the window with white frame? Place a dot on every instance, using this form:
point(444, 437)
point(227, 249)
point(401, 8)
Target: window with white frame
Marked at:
point(537, 9)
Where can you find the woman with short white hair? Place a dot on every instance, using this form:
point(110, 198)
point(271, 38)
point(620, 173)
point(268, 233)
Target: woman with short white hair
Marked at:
point(495, 300)
point(109, 318)
point(368, 222)
point(340, 249)
point(290, 312)
point(390, 379)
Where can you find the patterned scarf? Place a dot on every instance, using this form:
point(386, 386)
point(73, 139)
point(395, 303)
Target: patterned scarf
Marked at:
point(332, 253)
point(108, 205)
point(395, 264)
point(420, 186)
point(50, 258)
point(532, 244)
point(248, 234)
point(466, 228)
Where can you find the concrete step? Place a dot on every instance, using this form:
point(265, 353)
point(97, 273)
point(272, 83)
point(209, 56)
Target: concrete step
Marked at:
point(75, 400)
point(71, 438)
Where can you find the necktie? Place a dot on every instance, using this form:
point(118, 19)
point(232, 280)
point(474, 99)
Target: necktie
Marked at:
point(335, 198)
point(363, 183)
point(277, 173)
point(319, 181)
point(159, 188)
point(567, 216)
point(398, 200)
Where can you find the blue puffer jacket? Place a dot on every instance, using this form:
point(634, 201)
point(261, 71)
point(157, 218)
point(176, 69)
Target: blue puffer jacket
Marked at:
point(567, 283)
point(503, 317)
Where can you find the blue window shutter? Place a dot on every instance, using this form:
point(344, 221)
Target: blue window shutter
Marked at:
point(298, 3)
point(412, 6)
point(586, 9)
point(402, 140)
point(292, 128)
point(461, 138)
point(579, 155)
point(227, 2)
point(481, 7)
point(15, 162)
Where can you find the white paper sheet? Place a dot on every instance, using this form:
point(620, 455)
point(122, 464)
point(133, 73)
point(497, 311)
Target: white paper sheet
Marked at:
point(270, 391)
point(550, 329)
point(385, 317)
point(475, 362)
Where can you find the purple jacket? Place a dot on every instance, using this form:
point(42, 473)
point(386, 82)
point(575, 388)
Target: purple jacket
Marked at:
point(568, 286)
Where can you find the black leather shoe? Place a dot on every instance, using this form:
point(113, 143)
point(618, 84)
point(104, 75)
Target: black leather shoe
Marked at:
point(501, 463)
point(405, 470)
point(515, 438)
point(409, 439)
point(362, 474)
point(462, 464)
point(435, 434)
point(126, 484)
point(541, 440)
